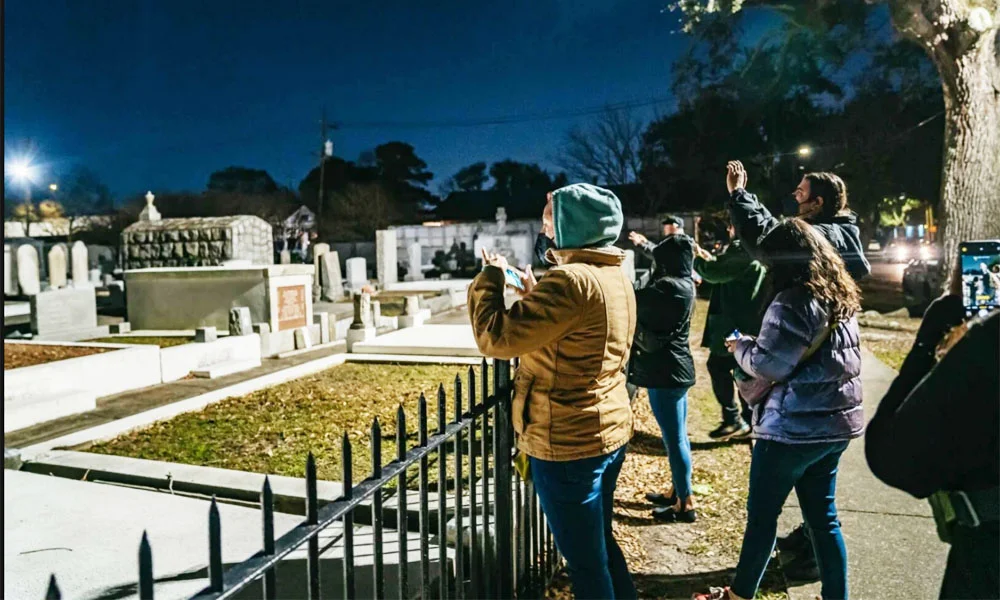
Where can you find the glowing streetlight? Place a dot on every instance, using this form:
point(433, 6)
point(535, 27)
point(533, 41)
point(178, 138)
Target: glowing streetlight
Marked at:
point(21, 171)
point(805, 151)
point(53, 187)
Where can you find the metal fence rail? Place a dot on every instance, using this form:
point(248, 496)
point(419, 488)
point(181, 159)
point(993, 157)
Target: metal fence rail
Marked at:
point(515, 559)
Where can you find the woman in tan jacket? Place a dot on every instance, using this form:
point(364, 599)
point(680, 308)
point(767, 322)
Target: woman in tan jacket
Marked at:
point(573, 333)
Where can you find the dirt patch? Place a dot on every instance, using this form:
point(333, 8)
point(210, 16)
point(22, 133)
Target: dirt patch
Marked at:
point(16, 355)
point(162, 342)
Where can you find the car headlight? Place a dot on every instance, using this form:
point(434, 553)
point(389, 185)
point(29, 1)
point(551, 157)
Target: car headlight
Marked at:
point(901, 253)
point(925, 252)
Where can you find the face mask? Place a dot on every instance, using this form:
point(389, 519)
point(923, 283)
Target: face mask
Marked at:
point(789, 206)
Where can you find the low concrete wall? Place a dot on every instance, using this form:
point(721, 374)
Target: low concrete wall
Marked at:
point(176, 362)
point(129, 367)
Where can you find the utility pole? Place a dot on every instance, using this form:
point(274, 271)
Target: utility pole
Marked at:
point(325, 151)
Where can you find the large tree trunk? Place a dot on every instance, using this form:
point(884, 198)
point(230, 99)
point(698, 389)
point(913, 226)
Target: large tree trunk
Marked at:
point(966, 50)
point(970, 187)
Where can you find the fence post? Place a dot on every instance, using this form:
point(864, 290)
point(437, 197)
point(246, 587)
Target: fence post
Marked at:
point(504, 493)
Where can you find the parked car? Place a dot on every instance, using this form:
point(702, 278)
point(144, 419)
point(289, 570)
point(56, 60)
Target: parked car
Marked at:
point(922, 280)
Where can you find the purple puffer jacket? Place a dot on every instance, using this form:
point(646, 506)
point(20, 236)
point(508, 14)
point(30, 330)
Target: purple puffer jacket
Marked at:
point(820, 401)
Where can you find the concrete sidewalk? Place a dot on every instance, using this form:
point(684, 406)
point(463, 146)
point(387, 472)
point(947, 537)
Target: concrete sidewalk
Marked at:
point(892, 546)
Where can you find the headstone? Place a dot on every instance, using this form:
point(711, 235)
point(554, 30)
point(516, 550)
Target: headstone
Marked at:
point(9, 276)
point(360, 330)
point(376, 312)
point(204, 335)
point(323, 320)
point(413, 316)
point(285, 257)
point(239, 321)
point(107, 279)
point(414, 264)
point(149, 213)
point(78, 260)
point(303, 340)
point(385, 257)
point(332, 281)
point(57, 267)
point(261, 328)
point(120, 328)
point(95, 277)
point(628, 265)
point(66, 311)
point(319, 251)
point(357, 273)
point(12, 459)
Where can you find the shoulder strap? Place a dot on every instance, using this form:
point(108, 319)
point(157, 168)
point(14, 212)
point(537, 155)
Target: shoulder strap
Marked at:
point(824, 334)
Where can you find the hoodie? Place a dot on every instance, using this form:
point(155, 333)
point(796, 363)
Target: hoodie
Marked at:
point(586, 216)
point(661, 355)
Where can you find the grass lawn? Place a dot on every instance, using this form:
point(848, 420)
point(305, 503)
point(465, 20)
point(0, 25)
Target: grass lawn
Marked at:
point(27, 355)
point(272, 430)
point(162, 342)
point(889, 338)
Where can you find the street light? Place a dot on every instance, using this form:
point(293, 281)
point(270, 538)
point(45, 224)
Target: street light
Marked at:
point(53, 187)
point(22, 171)
point(805, 151)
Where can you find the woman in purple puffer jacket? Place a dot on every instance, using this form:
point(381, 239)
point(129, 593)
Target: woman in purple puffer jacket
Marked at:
point(807, 365)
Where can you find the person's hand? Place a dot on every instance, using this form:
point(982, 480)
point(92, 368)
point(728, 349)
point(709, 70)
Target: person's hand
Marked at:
point(943, 315)
point(496, 260)
point(731, 345)
point(702, 253)
point(637, 238)
point(528, 281)
point(736, 176)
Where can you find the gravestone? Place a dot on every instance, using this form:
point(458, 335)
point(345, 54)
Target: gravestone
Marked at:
point(361, 329)
point(28, 278)
point(120, 328)
point(285, 257)
point(107, 279)
point(149, 213)
point(332, 281)
point(67, 313)
point(9, 276)
point(78, 258)
point(414, 272)
point(413, 316)
point(239, 321)
point(95, 277)
point(323, 320)
point(303, 340)
point(385, 257)
point(357, 273)
point(57, 267)
point(628, 265)
point(376, 312)
point(319, 251)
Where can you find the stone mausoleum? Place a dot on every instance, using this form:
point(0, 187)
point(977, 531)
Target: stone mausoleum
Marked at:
point(197, 242)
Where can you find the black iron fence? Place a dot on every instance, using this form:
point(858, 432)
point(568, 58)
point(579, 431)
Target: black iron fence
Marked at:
point(500, 546)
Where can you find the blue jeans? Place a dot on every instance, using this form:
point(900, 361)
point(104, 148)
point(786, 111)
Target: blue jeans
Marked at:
point(812, 470)
point(670, 410)
point(577, 497)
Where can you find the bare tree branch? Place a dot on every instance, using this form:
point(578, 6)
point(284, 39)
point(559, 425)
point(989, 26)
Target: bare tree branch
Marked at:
point(606, 151)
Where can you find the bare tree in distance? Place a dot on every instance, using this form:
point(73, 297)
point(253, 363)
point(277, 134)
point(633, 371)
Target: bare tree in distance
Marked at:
point(606, 150)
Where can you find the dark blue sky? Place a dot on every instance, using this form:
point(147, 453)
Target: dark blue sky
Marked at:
point(158, 94)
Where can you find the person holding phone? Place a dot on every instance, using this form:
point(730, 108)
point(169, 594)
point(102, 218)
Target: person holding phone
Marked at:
point(935, 440)
point(572, 330)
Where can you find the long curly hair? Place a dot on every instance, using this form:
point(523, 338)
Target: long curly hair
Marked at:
point(797, 255)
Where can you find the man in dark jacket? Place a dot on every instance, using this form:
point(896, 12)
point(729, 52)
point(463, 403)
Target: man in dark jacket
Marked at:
point(820, 199)
point(661, 362)
point(736, 279)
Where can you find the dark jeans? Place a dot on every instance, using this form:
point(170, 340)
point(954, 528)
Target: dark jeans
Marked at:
point(577, 498)
point(973, 564)
point(720, 370)
point(811, 469)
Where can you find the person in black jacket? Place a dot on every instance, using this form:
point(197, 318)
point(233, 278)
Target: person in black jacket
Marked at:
point(661, 362)
point(933, 438)
point(821, 200)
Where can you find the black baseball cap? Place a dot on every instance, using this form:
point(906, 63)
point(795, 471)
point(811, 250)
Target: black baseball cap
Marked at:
point(673, 220)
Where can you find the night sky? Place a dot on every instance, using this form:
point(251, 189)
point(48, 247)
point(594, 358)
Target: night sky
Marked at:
point(156, 94)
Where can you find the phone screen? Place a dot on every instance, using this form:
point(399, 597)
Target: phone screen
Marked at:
point(513, 279)
point(980, 276)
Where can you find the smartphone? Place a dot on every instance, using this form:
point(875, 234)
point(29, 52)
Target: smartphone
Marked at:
point(735, 335)
point(980, 276)
point(513, 278)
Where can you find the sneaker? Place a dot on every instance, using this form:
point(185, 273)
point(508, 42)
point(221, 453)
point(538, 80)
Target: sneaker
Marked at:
point(728, 431)
point(801, 569)
point(713, 594)
point(661, 499)
point(797, 542)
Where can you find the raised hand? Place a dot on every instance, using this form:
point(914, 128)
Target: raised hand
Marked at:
point(637, 238)
point(736, 176)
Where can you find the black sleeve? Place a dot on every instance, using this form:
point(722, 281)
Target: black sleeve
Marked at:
point(942, 434)
point(750, 218)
